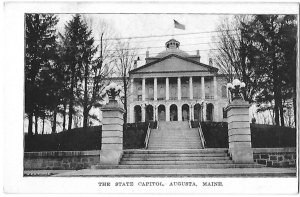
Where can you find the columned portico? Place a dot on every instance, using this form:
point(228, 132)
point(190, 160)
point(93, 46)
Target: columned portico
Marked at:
point(173, 83)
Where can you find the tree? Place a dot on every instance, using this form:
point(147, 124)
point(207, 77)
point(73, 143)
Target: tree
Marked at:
point(261, 51)
point(235, 56)
point(78, 56)
point(39, 55)
point(271, 34)
point(101, 67)
point(126, 55)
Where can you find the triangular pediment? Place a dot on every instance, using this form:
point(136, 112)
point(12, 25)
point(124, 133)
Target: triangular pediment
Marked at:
point(174, 63)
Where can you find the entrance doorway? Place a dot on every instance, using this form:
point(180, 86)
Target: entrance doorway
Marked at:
point(161, 113)
point(198, 112)
point(137, 113)
point(209, 112)
point(173, 113)
point(149, 113)
point(185, 112)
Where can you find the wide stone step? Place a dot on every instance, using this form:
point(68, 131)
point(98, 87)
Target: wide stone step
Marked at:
point(175, 162)
point(152, 138)
point(175, 132)
point(175, 158)
point(191, 166)
point(145, 155)
point(201, 151)
point(171, 148)
point(175, 143)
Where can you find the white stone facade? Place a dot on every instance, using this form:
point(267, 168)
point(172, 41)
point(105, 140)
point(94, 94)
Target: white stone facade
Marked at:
point(174, 86)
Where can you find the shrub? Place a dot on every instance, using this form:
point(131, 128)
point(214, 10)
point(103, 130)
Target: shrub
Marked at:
point(262, 136)
point(78, 139)
point(81, 139)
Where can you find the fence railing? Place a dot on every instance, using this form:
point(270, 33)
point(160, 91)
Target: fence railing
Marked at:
point(202, 139)
point(147, 136)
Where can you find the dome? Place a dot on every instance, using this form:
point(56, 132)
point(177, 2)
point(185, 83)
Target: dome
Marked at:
point(172, 47)
point(172, 51)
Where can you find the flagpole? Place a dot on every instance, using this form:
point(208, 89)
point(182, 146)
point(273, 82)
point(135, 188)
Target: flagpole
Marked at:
point(173, 29)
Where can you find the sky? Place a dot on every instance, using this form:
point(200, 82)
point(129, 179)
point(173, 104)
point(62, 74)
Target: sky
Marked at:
point(197, 33)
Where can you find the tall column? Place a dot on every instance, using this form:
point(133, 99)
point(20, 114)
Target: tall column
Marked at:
point(143, 113)
point(202, 88)
point(143, 89)
point(112, 133)
point(167, 88)
point(156, 113)
point(192, 112)
point(155, 89)
point(179, 113)
point(239, 134)
point(153, 115)
point(167, 113)
point(131, 111)
point(215, 88)
point(191, 88)
point(179, 88)
point(204, 111)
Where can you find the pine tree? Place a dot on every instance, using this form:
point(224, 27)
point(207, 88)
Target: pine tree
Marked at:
point(274, 39)
point(39, 55)
point(78, 57)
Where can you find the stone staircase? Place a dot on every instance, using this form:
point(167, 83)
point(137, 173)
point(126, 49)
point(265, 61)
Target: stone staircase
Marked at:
point(179, 159)
point(176, 146)
point(174, 135)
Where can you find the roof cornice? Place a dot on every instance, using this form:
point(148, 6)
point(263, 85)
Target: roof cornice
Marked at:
point(211, 68)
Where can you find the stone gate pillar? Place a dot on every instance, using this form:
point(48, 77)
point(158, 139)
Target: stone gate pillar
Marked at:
point(112, 133)
point(239, 134)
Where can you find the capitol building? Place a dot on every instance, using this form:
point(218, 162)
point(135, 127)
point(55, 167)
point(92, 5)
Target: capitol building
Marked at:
point(176, 86)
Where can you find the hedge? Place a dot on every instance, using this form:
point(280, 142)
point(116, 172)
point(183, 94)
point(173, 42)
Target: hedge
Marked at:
point(262, 136)
point(81, 139)
point(215, 133)
point(78, 139)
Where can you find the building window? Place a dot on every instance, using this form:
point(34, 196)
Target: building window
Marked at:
point(139, 97)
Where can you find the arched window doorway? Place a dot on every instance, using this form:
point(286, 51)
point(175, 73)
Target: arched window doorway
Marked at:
point(161, 113)
point(173, 113)
point(197, 112)
point(185, 112)
point(209, 112)
point(137, 113)
point(149, 113)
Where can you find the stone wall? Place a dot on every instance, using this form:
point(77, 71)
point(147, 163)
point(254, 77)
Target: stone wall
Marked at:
point(275, 157)
point(61, 160)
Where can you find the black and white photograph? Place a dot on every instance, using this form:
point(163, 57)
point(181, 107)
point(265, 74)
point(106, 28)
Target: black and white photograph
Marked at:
point(151, 101)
